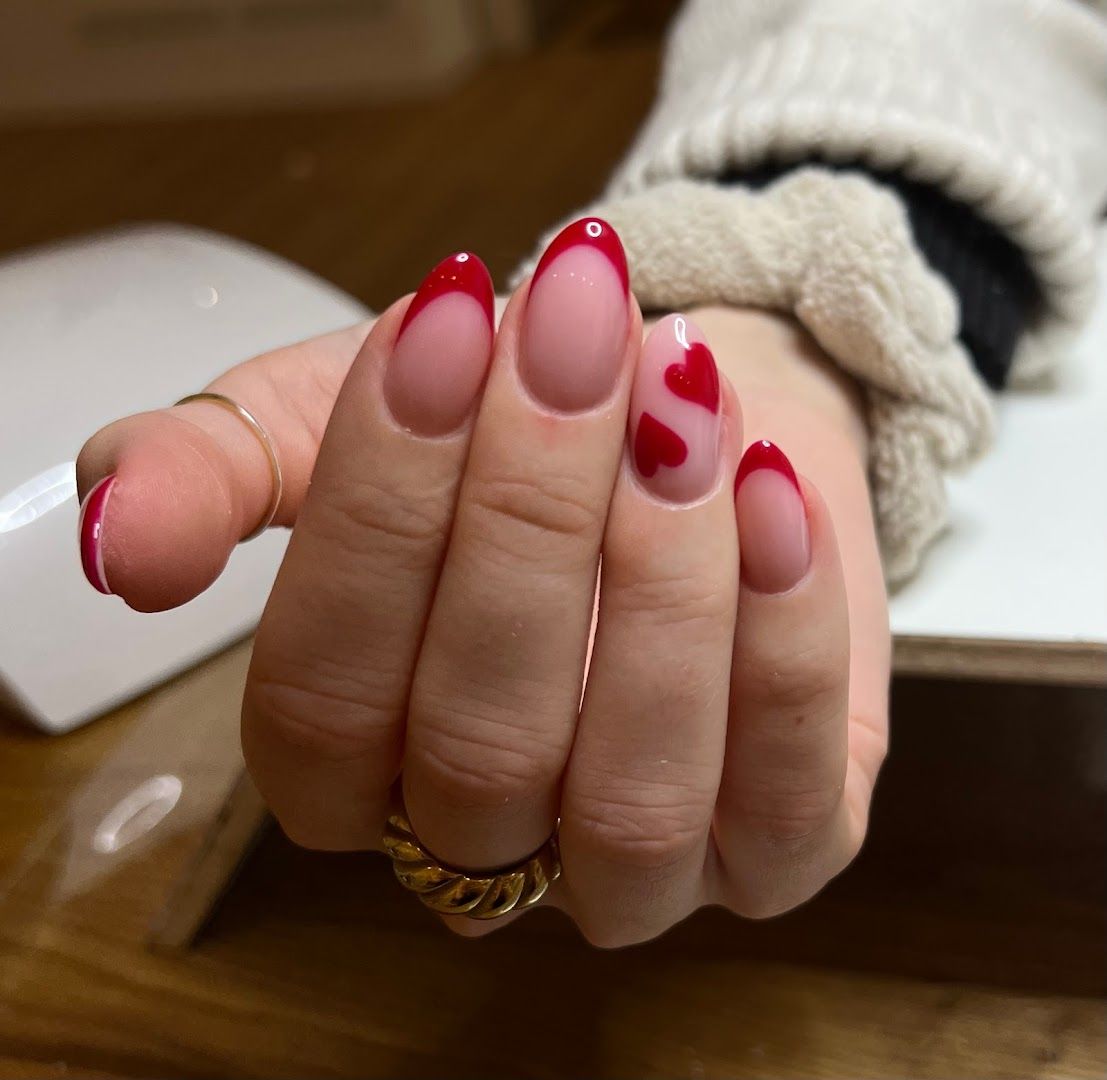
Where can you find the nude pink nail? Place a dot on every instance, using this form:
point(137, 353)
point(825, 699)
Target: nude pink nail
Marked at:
point(442, 352)
point(90, 530)
point(772, 520)
point(675, 417)
point(575, 326)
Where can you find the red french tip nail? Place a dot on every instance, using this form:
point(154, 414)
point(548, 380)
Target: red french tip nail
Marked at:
point(764, 455)
point(463, 272)
point(90, 530)
point(596, 232)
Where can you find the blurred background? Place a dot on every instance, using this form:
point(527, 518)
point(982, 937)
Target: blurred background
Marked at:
point(363, 140)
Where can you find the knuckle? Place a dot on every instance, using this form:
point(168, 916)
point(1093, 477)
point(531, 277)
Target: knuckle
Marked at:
point(803, 869)
point(759, 907)
point(331, 722)
point(655, 598)
point(485, 768)
point(795, 818)
point(640, 832)
point(366, 516)
point(690, 689)
point(789, 680)
point(527, 518)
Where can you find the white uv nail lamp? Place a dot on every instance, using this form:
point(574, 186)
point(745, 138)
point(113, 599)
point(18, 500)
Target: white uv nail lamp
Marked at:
point(91, 330)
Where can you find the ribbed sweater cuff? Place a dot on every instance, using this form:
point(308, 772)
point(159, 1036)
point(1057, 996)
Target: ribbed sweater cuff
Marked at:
point(999, 298)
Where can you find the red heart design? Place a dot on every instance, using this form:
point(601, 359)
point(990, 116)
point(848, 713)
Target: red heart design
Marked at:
point(697, 379)
point(655, 444)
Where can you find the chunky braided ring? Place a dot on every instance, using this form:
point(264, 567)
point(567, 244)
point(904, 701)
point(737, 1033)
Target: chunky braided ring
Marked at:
point(454, 892)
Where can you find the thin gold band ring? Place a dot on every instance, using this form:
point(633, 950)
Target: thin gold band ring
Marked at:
point(267, 445)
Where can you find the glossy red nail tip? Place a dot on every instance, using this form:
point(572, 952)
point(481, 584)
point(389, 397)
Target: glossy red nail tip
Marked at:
point(697, 378)
point(765, 455)
point(577, 313)
point(772, 520)
point(90, 529)
point(463, 272)
point(592, 231)
point(655, 444)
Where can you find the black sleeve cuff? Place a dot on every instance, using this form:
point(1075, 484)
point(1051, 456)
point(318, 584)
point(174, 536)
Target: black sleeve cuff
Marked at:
point(999, 295)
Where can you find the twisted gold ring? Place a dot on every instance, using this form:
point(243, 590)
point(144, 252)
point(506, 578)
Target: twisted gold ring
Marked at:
point(455, 892)
point(267, 445)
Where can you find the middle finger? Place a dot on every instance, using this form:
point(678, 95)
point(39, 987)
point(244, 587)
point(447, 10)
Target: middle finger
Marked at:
point(497, 688)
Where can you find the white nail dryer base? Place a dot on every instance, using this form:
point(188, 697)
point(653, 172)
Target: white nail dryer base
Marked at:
point(92, 330)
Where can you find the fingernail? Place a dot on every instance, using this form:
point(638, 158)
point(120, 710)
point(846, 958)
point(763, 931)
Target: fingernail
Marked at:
point(575, 326)
point(772, 520)
point(90, 529)
point(675, 412)
point(443, 348)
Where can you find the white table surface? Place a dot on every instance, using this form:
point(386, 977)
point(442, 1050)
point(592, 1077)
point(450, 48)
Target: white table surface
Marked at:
point(1025, 556)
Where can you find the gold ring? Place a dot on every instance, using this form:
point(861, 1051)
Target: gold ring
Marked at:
point(455, 892)
point(267, 445)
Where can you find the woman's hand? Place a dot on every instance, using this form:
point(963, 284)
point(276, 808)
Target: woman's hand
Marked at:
point(432, 616)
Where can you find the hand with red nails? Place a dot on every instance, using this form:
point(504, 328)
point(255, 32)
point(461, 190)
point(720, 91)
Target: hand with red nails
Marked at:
point(706, 729)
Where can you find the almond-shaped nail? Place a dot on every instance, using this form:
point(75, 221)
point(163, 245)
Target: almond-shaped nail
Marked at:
point(772, 520)
point(442, 352)
point(675, 413)
point(90, 531)
point(575, 325)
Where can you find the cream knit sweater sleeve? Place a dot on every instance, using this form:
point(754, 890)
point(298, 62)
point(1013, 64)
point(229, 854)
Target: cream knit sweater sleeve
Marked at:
point(1002, 104)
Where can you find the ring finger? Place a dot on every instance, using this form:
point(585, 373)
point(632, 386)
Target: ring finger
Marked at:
point(641, 786)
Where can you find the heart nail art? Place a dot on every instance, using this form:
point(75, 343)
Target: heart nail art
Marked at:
point(676, 413)
point(697, 379)
point(656, 445)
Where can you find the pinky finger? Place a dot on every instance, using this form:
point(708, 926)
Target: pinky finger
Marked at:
point(782, 823)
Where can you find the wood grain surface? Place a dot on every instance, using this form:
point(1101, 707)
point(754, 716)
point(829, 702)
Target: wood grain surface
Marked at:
point(967, 941)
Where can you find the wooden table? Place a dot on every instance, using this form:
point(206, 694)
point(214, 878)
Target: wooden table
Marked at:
point(966, 942)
